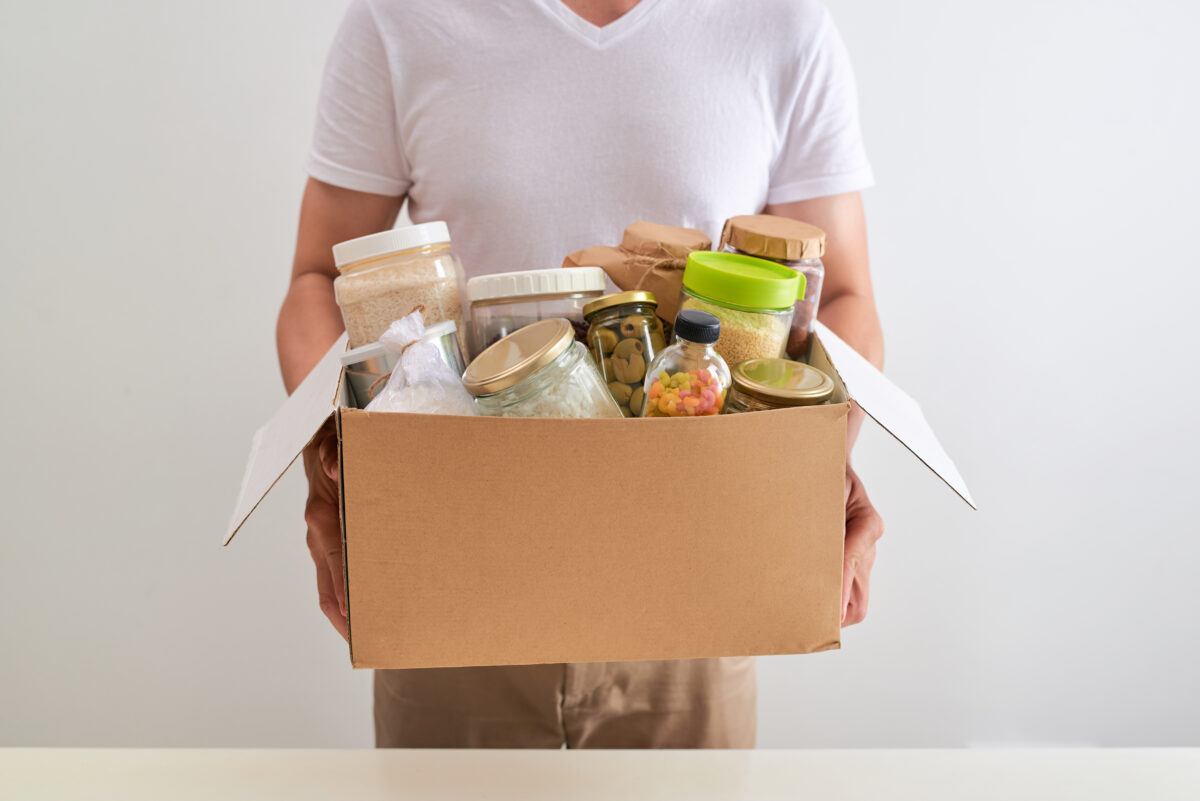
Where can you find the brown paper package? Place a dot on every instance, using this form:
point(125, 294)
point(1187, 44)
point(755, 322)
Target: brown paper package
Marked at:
point(651, 257)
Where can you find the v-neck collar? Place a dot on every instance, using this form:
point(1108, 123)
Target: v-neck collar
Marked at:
point(595, 35)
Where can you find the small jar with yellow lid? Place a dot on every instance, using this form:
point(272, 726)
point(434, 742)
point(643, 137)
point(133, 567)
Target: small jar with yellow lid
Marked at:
point(761, 384)
point(539, 371)
point(793, 244)
point(625, 334)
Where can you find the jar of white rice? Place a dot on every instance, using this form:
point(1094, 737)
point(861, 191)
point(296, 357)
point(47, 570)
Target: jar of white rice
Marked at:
point(384, 276)
point(539, 371)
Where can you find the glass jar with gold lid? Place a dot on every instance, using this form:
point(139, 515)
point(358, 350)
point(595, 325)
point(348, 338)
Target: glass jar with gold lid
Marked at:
point(625, 334)
point(761, 384)
point(539, 371)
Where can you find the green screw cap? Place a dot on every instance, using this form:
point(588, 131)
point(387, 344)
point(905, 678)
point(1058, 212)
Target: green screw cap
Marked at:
point(742, 281)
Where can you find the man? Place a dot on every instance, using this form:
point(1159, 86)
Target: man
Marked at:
point(536, 128)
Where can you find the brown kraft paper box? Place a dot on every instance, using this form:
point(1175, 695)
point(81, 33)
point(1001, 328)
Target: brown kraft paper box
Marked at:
point(489, 541)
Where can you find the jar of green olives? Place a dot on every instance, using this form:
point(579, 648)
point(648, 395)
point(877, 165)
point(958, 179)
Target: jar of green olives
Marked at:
point(624, 334)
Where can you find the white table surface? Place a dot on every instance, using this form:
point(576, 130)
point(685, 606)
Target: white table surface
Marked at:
point(366, 775)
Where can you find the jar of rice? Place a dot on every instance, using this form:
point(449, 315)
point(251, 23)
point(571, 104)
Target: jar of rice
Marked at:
point(384, 276)
point(539, 371)
point(753, 298)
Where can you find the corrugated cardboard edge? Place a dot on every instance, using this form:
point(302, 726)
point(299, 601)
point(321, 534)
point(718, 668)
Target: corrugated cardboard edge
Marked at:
point(295, 422)
point(885, 403)
point(342, 525)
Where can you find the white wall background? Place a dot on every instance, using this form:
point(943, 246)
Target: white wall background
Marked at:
point(1034, 250)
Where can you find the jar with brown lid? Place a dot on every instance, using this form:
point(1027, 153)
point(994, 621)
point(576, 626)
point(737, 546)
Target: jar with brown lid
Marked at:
point(384, 276)
point(794, 244)
point(625, 334)
point(761, 384)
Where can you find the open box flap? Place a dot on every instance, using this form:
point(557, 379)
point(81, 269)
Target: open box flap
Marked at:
point(277, 444)
point(893, 409)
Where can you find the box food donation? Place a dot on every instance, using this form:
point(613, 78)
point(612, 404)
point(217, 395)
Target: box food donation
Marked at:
point(498, 541)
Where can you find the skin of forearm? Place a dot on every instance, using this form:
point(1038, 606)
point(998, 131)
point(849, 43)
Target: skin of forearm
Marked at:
point(309, 322)
point(854, 318)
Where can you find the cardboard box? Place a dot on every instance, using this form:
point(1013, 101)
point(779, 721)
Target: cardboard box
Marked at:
point(521, 541)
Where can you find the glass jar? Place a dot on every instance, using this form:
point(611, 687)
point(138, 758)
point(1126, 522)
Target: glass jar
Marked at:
point(688, 378)
point(366, 367)
point(384, 276)
point(625, 334)
point(761, 384)
point(539, 371)
point(753, 298)
point(797, 246)
point(503, 302)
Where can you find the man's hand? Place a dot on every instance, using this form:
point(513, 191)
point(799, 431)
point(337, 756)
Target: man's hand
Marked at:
point(322, 516)
point(864, 527)
point(309, 322)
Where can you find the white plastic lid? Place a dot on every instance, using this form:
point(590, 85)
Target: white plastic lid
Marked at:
point(384, 242)
point(377, 351)
point(555, 281)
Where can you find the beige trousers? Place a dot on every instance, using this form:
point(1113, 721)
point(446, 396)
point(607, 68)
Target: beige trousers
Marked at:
point(688, 703)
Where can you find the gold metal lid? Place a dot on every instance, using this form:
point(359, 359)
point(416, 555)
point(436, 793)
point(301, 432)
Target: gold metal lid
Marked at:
point(782, 382)
point(518, 356)
point(771, 237)
point(618, 299)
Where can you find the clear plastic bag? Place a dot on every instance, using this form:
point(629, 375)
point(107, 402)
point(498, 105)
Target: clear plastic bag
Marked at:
point(421, 381)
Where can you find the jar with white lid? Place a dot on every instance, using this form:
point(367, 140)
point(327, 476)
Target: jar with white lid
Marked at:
point(762, 384)
point(504, 302)
point(539, 371)
point(384, 276)
point(794, 244)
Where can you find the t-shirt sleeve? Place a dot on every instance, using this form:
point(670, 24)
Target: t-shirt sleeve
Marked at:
point(821, 149)
point(356, 143)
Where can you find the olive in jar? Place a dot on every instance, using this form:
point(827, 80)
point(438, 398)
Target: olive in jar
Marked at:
point(624, 334)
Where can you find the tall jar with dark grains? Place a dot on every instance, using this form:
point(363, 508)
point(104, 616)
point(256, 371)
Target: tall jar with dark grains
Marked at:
point(753, 298)
point(625, 334)
point(794, 244)
point(762, 384)
point(384, 276)
point(501, 303)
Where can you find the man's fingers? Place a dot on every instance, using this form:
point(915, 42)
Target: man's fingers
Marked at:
point(329, 603)
point(337, 577)
point(329, 457)
point(848, 569)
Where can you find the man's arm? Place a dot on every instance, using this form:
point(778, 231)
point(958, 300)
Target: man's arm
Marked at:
point(847, 298)
point(848, 308)
point(309, 322)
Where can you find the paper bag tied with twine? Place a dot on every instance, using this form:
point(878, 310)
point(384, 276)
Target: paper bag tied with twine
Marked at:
point(651, 257)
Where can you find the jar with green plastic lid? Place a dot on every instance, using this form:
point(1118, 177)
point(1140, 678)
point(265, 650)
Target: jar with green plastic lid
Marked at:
point(762, 384)
point(796, 245)
point(753, 298)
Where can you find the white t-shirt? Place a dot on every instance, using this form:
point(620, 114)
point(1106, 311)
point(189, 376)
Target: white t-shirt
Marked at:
point(533, 133)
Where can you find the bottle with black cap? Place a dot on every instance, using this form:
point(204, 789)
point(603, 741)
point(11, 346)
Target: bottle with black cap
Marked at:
point(688, 378)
